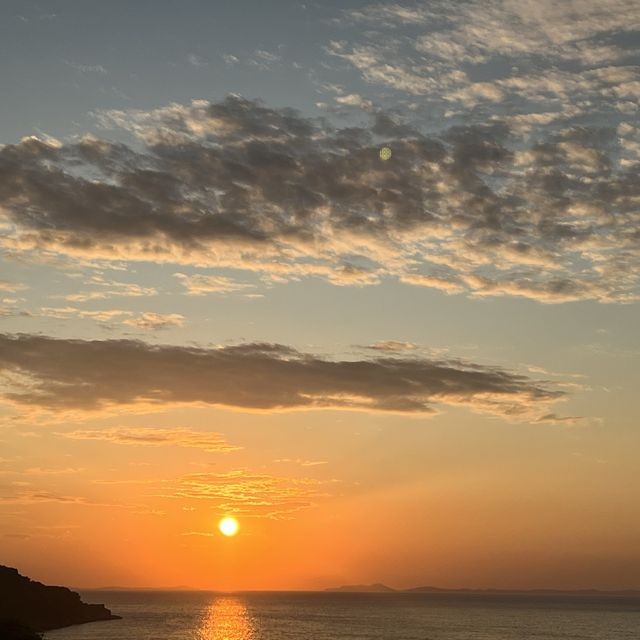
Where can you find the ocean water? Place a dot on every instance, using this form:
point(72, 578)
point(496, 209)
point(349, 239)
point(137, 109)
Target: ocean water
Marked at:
point(333, 616)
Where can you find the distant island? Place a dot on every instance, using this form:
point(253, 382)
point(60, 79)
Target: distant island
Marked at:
point(28, 607)
point(383, 588)
point(362, 588)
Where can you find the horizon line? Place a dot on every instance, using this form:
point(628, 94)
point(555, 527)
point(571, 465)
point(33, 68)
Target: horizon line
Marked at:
point(351, 589)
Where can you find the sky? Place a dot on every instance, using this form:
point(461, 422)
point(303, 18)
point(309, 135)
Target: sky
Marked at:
point(218, 299)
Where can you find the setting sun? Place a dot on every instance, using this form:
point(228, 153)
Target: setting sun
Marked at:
point(228, 526)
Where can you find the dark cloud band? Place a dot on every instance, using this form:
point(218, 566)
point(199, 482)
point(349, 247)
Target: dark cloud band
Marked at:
point(61, 374)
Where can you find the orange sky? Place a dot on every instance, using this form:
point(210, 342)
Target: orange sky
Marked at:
point(457, 502)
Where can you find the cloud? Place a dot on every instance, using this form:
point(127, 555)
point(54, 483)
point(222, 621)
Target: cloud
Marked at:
point(104, 289)
point(582, 31)
point(238, 185)
point(7, 285)
point(12, 311)
point(155, 321)
point(52, 471)
point(354, 100)
point(200, 284)
point(239, 492)
point(5, 312)
point(200, 534)
point(147, 321)
point(196, 60)
point(264, 59)
point(45, 531)
point(501, 58)
point(110, 374)
point(35, 496)
point(555, 419)
point(302, 462)
point(32, 496)
point(246, 494)
point(61, 313)
point(156, 437)
point(86, 68)
point(480, 30)
point(392, 345)
point(447, 284)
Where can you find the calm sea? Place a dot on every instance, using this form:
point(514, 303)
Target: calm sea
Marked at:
point(329, 616)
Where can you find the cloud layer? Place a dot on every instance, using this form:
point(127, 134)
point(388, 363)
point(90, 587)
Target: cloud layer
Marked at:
point(103, 374)
point(237, 184)
point(243, 493)
point(540, 54)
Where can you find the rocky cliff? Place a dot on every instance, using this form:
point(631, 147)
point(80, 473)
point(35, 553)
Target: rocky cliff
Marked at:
point(41, 607)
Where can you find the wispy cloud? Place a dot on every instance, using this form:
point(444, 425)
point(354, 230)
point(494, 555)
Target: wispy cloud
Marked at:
point(154, 321)
point(103, 289)
point(7, 285)
point(196, 60)
point(104, 315)
point(52, 471)
point(200, 284)
point(264, 59)
point(585, 32)
point(34, 496)
point(156, 437)
point(302, 462)
point(392, 345)
point(247, 494)
point(147, 321)
point(86, 68)
point(230, 59)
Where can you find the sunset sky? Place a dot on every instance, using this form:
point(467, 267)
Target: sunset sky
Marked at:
point(216, 299)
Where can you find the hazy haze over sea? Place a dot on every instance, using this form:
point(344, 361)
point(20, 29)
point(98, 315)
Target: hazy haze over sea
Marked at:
point(332, 616)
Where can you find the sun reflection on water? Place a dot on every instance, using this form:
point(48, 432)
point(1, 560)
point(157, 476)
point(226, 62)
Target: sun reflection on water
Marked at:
point(226, 619)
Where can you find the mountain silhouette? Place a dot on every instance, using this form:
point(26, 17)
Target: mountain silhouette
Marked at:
point(362, 588)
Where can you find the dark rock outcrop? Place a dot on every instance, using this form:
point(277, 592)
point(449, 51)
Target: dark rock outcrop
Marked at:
point(12, 630)
point(40, 607)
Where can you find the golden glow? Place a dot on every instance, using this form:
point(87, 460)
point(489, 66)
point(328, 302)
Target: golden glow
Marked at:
point(385, 153)
point(226, 619)
point(228, 526)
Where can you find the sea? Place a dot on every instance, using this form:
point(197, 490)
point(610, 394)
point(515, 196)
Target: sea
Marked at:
point(198, 615)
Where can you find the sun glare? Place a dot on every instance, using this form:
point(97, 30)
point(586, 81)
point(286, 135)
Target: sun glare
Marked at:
point(228, 526)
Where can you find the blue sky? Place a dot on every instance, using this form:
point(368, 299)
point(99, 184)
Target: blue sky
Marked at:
point(83, 57)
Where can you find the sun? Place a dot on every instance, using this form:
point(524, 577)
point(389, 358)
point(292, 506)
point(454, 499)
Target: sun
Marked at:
point(228, 526)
